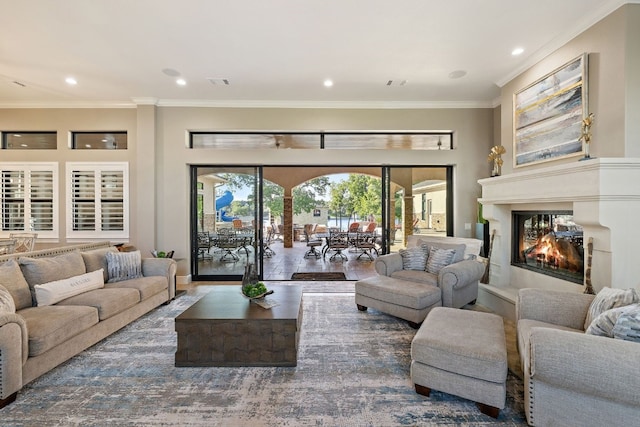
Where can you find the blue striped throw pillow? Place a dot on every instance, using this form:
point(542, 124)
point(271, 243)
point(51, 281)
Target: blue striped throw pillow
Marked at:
point(438, 259)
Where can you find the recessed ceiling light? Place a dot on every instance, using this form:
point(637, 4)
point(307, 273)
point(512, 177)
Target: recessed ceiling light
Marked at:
point(517, 51)
point(457, 74)
point(23, 145)
point(181, 82)
point(71, 81)
point(328, 83)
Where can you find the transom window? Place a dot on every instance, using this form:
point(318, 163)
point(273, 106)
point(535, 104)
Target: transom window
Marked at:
point(323, 140)
point(17, 140)
point(99, 140)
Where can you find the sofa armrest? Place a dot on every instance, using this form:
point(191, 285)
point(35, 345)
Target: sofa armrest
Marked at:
point(165, 267)
point(602, 367)
point(454, 278)
point(387, 264)
point(14, 350)
point(556, 307)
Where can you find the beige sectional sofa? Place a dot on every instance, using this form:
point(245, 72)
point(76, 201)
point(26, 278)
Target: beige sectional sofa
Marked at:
point(37, 338)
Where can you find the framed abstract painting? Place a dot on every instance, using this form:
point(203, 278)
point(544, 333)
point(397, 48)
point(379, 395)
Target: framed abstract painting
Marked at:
point(547, 115)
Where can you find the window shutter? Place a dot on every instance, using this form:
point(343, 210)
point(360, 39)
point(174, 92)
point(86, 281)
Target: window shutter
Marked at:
point(29, 199)
point(98, 200)
point(83, 195)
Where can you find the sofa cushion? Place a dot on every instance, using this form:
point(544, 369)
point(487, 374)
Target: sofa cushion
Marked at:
point(406, 294)
point(416, 276)
point(459, 248)
point(52, 325)
point(603, 324)
point(108, 301)
point(42, 270)
point(52, 292)
point(607, 299)
point(439, 259)
point(123, 266)
point(627, 326)
point(414, 258)
point(146, 286)
point(97, 259)
point(12, 279)
point(7, 305)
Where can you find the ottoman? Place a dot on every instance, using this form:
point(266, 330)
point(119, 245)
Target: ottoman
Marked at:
point(407, 300)
point(462, 352)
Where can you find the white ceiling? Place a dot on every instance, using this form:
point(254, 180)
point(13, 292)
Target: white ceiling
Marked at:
point(277, 52)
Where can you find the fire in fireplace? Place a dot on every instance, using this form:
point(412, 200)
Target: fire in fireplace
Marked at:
point(549, 243)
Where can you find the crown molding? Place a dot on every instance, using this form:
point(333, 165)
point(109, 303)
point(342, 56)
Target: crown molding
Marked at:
point(35, 105)
point(382, 105)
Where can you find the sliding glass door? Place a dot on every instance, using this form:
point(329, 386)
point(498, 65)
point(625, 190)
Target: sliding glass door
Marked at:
point(227, 223)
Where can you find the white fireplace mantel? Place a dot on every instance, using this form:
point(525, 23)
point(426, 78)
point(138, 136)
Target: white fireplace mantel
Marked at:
point(604, 195)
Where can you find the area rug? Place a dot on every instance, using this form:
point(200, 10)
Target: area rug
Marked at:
point(353, 370)
point(322, 276)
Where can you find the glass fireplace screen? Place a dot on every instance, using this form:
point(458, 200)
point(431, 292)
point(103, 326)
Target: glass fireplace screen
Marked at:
point(549, 243)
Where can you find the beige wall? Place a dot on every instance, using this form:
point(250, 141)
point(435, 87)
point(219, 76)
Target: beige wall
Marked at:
point(473, 137)
point(613, 76)
point(64, 121)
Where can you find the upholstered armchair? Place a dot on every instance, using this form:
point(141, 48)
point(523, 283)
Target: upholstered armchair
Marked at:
point(573, 378)
point(458, 281)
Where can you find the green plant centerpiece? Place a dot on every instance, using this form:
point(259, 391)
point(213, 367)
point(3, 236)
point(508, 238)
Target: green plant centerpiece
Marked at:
point(255, 290)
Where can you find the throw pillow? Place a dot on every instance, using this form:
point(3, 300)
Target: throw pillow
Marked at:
point(604, 323)
point(628, 325)
point(438, 259)
point(414, 258)
point(459, 248)
point(48, 269)
point(6, 301)
point(53, 292)
point(124, 266)
point(12, 279)
point(607, 299)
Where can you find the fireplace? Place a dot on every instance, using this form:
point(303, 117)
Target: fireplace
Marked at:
point(548, 242)
point(603, 196)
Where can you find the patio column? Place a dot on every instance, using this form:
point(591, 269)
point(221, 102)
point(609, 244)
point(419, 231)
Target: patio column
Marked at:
point(288, 222)
point(407, 216)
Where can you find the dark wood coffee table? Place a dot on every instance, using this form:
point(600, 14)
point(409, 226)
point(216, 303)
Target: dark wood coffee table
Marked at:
point(224, 328)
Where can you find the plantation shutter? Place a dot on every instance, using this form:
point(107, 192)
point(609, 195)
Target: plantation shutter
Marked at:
point(98, 200)
point(29, 201)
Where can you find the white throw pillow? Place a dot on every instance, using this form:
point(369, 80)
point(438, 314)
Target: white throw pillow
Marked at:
point(607, 299)
point(53, 292)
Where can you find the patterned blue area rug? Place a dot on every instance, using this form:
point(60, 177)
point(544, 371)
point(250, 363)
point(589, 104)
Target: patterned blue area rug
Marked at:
point(353, 370)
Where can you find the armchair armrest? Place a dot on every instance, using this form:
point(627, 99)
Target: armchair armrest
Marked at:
point(165, 267)
point(385, 265)
point(453, 278)
point(602, 367)
point(556, 307)
point(14, 350)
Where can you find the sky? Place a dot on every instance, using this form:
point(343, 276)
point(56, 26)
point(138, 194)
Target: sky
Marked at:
point(243, 194)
